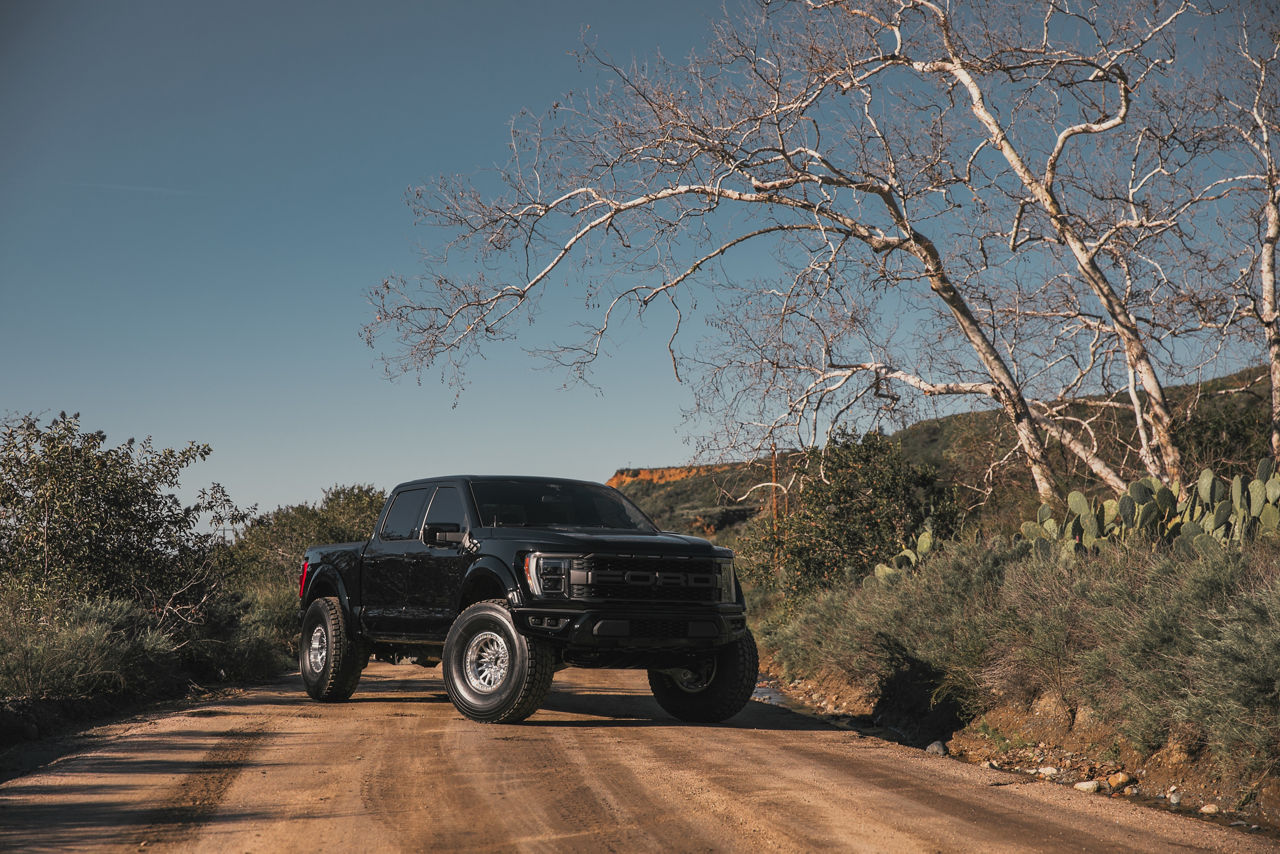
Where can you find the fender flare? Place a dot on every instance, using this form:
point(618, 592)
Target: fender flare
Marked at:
point(491, 572)
point(326, 581)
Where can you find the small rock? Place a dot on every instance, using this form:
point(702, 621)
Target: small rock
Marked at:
point(991, 765)
point(1119, 780)
point(937, 749)
point(1130, 790)
point(1209, 809)
point(1088, 786)
point(1175, 798)
point(1047, 771)
point(1239, 824)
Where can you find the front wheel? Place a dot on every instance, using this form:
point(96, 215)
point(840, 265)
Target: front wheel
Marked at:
point(712, 689)
point(329, 660)
point(493, 673)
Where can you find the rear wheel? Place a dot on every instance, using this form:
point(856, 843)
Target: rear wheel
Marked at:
point(712, 689)
point(329, 660)
point(493, 673)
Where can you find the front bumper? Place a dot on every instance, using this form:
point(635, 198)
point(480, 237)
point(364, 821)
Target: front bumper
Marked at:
point(633, 627)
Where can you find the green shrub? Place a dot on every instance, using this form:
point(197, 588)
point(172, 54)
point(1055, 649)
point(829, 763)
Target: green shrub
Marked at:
point(940, 617)
point(1235, 670)
point(270, 547)
point(84, 519)
point(54, 649)
point(109, 587)
point(1156, 643)
point(857, 503)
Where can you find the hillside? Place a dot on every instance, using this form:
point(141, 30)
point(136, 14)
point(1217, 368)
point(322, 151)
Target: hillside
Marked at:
point(1226, 432)
point(699, 500)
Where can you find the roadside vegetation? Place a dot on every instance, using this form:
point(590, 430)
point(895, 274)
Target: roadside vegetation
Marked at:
point(1152, 618)
point(1163, 646)
point(115, 593)
point(112, 590)
point(850, 506)
point(1149, 620)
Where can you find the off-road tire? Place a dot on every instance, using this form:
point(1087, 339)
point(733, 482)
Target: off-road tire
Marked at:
point(493, 673)
point(733, 671)
point(330, 661)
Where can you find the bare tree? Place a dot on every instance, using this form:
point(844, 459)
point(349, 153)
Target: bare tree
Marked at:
point(956, 202)
point(1248, 102)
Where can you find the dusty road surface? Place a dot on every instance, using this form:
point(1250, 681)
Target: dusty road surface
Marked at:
point(600, 768)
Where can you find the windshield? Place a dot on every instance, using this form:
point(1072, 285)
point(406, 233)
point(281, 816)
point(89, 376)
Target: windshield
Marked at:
point(555, 504)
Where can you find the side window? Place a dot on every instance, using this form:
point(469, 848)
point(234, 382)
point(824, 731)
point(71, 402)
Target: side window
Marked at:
point(446, 507)
point(404, 519)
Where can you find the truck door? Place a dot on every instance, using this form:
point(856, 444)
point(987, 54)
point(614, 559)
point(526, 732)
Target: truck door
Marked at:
point(438, 578)
point(388, 565)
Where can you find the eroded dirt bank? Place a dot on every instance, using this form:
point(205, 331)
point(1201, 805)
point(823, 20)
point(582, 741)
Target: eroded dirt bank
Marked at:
point(600, 768)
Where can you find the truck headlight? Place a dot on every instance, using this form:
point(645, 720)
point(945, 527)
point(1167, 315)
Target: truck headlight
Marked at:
point(728, 583)
point(547, 574)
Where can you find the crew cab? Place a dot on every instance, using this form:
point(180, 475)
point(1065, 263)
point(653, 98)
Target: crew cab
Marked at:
point(507, 579)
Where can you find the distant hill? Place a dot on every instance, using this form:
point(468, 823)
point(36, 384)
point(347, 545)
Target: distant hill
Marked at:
point(699, 500)
point(1227, 433)
point(1222, 425)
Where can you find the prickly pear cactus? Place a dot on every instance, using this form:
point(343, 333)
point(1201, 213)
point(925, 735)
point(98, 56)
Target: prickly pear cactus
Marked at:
point(1201, 520)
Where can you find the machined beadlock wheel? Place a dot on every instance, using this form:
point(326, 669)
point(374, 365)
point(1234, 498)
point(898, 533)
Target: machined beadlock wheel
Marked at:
point(328, 659)
point(486, 662)
point(712, 689)
point(493, 673)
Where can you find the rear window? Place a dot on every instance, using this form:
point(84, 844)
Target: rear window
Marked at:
point(555, 504)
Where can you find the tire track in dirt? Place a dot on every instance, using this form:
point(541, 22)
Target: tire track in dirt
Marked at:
point(599, 768)
point(705, 769)
point(554, 783)
point(198, 795)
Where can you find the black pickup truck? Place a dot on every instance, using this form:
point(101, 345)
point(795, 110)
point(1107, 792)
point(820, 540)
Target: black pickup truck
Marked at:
point(507, 579)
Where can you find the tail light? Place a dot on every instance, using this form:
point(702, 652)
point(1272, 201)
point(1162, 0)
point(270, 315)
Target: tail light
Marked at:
point(302, 578)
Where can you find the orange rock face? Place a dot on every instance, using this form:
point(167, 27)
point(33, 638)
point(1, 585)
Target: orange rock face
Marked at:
point(660, 475)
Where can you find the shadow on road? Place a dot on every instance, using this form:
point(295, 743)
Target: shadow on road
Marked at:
point(635, 709)
point(68, 813)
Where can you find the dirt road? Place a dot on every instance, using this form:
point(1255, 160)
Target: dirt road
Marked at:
point(600, 768)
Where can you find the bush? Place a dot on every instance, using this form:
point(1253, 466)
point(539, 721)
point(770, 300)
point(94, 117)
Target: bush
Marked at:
point(858, 502)
point(1156, 643)
point(51, 649)
point(939, 619)
point(1235, 670)
point(109, 587)
point(80, 518)
point(270, 547)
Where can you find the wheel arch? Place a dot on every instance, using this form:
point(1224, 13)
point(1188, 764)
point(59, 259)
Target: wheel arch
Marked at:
point(486, 579)
point(326, 582)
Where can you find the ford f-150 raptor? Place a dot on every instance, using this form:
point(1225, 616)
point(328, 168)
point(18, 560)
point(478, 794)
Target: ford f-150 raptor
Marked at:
point(505, 580)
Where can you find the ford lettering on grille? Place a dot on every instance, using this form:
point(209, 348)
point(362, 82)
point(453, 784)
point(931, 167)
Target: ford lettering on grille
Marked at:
point(645, 578)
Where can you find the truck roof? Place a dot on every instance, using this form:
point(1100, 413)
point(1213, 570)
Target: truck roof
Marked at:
point(531, 478)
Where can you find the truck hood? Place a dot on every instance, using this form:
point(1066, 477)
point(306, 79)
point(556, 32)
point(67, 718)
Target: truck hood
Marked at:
point(586, 541)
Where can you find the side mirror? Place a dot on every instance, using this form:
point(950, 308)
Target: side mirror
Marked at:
point(442, 534)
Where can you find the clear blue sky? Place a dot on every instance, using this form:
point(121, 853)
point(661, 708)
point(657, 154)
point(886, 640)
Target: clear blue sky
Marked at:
point(195, 196)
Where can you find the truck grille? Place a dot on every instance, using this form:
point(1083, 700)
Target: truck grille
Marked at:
point(646, 579)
